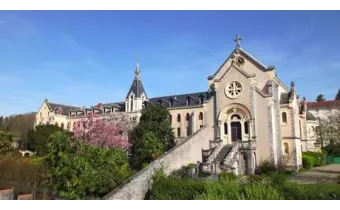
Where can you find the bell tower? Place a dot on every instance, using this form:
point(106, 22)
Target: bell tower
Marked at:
point(136, 96)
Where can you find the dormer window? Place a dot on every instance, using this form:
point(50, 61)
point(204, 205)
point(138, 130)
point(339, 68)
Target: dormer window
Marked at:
point(201, 99)
point(171, 102)
point(188, 101)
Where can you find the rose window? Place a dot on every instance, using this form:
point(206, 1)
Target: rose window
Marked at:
point(233, 90)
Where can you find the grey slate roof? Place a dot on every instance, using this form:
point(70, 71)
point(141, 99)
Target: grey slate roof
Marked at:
point(137, 88)
point(181, 100)
point(337, 97)
point(65, 108)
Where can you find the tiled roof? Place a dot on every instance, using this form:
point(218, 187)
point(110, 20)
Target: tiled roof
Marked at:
point(324, 104)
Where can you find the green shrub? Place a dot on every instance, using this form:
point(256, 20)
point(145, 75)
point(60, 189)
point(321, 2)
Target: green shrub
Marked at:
point(308, 161)
point(254, 179)
point(302, 170)
point(258, 191)
point(176, 189)
point(225, 176)
point(221, 191)
point(277, 179)
point(320, 158)
point(267, 166)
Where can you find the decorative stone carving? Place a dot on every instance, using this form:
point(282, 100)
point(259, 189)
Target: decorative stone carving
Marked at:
point(233, 90)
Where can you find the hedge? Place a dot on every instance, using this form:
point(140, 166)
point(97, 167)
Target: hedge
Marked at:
point(307, 161)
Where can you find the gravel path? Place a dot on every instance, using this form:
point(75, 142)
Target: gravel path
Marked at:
point(323, 174)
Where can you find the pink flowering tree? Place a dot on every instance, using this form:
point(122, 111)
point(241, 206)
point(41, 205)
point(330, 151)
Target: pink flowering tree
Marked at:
point(109, 131)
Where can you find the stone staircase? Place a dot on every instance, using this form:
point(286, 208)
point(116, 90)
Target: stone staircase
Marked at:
point(219, 158)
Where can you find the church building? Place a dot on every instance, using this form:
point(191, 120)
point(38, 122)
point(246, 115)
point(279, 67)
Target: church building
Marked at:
point(251, 116)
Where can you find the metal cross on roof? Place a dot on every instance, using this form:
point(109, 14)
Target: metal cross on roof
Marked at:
point(238, 41)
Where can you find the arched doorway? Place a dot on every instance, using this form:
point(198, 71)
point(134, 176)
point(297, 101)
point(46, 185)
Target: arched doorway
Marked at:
point(234, 123)
point(236, 131)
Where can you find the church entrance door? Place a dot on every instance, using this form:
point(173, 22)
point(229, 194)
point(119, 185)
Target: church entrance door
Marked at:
point(236, 133)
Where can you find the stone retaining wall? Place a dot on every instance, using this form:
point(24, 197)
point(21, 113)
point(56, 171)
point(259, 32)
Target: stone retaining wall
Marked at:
point(188, 151)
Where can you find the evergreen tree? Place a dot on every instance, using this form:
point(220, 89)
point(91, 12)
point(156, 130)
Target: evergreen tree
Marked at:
point(320, 97)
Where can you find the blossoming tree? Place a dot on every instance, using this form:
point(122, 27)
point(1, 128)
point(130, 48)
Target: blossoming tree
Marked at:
point(105, 131)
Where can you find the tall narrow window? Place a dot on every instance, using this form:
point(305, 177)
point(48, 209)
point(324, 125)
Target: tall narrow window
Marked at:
point(187, 118)
point(188, 131)
point(178, 132)
point(178, 118)
point(56, 124)
point(131, 103)
point(200, 117)
point(48, 114)
point(225, 128)
point(284, 117)
point(40, 115)
point(246, 130)
point(62, 125)
point(68, 125)
point(170, 118)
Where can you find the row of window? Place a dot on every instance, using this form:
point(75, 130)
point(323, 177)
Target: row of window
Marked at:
point(187, 117)
point(236, 125)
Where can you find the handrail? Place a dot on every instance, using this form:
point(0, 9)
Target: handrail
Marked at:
point(215, 152)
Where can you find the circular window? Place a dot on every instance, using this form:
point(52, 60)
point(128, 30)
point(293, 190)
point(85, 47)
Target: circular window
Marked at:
point(233, 90)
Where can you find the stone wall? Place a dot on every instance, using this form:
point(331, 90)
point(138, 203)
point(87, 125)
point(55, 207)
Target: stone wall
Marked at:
point(188, 151)
point(7, 194)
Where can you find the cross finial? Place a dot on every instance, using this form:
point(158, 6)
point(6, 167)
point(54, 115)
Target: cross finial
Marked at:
point(238, 41)
point(137, 71)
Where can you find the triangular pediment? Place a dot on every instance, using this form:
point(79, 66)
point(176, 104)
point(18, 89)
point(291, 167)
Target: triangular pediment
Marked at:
point(238, 59)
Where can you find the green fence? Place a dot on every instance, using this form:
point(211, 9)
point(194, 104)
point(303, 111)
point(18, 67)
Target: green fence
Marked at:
point(333, 159)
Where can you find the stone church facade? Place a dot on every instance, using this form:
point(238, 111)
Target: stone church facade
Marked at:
point(249, 114)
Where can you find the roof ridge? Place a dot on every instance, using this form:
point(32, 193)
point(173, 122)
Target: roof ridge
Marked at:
point(179, 94)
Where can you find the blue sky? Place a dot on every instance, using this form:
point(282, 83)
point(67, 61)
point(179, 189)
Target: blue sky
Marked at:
point(86, 57)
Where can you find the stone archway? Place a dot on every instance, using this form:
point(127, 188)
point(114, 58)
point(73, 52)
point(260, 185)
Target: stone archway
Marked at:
point(233, 121)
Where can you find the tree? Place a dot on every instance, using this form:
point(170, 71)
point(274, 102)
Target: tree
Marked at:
point(78, 170)
point(154, 126)
point(1, 120)
point(328, 131)
point(320, 97)
point(38, 138)
point(5, 142)
point(151, 148)
point(110, 131)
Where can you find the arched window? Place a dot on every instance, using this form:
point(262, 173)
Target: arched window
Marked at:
point(225, 128)
point(286, 148)
point(187, 118)
point(200, 116)
point(56, 124)
point(178, 132)
point(62, 125)
point(284, 117)
point(246, 130)
point(170, 118)
point(68, 125)
point(178, 118)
